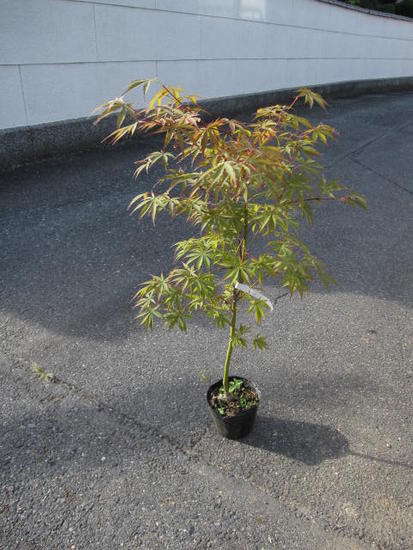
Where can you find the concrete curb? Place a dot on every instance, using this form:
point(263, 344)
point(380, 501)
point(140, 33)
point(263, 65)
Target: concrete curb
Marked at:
point(368, 11)
point(27, 144)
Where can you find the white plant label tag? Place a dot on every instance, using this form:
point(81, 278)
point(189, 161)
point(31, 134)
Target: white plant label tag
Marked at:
point(254, 293)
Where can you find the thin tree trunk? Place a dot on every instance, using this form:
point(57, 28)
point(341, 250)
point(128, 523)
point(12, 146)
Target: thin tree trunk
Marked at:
point(243, 251)
point(225, 381)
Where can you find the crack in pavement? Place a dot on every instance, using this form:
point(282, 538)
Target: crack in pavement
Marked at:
point(386, 178)
point(366, 143)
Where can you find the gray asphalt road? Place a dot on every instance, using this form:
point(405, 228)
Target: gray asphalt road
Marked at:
point(119, 452)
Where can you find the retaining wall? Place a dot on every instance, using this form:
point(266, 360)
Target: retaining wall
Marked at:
point(61, 58)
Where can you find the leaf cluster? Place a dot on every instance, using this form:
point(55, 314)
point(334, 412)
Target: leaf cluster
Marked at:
point(233, 182)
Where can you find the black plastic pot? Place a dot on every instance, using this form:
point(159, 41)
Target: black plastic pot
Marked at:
point(240, 425)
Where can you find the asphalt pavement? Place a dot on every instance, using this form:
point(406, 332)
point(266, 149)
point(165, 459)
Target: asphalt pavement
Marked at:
point(118, 451)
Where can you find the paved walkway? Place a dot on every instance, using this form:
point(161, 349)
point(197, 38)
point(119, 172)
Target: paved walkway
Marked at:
point(119, 451)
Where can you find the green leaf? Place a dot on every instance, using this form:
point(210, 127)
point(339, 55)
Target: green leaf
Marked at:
point(355, 199)
point(145, 82)
point(146, 86)
point(257, 307)
point(42, 374)
point(121, 118)
point(235, 385)
point(259, 342)
point(311, 97)
point(230, 171)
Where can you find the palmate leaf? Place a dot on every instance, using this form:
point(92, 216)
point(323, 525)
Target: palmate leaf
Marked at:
point(200, 252)
point(260, 342)
point(227, 166)
point(144, 83)
point(177, 319)
point(257, 308)
point(147, 314)
point(355, 199)
point(311, 97)
point(122, 132)
point(239, 336)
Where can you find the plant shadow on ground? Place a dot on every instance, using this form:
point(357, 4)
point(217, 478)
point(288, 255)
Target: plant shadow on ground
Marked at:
point(303, 441)
point(306, 442)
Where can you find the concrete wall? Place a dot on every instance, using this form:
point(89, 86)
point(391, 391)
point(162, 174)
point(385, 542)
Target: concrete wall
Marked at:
point(61, 58)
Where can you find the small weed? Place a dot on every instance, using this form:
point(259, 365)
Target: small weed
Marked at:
point(235, 385)
point(43, 375)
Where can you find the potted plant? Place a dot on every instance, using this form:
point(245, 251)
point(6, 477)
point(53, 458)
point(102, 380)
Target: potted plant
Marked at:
point(240, 186)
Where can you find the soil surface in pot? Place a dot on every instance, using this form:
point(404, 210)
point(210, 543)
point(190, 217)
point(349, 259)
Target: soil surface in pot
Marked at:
point(240, 398)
